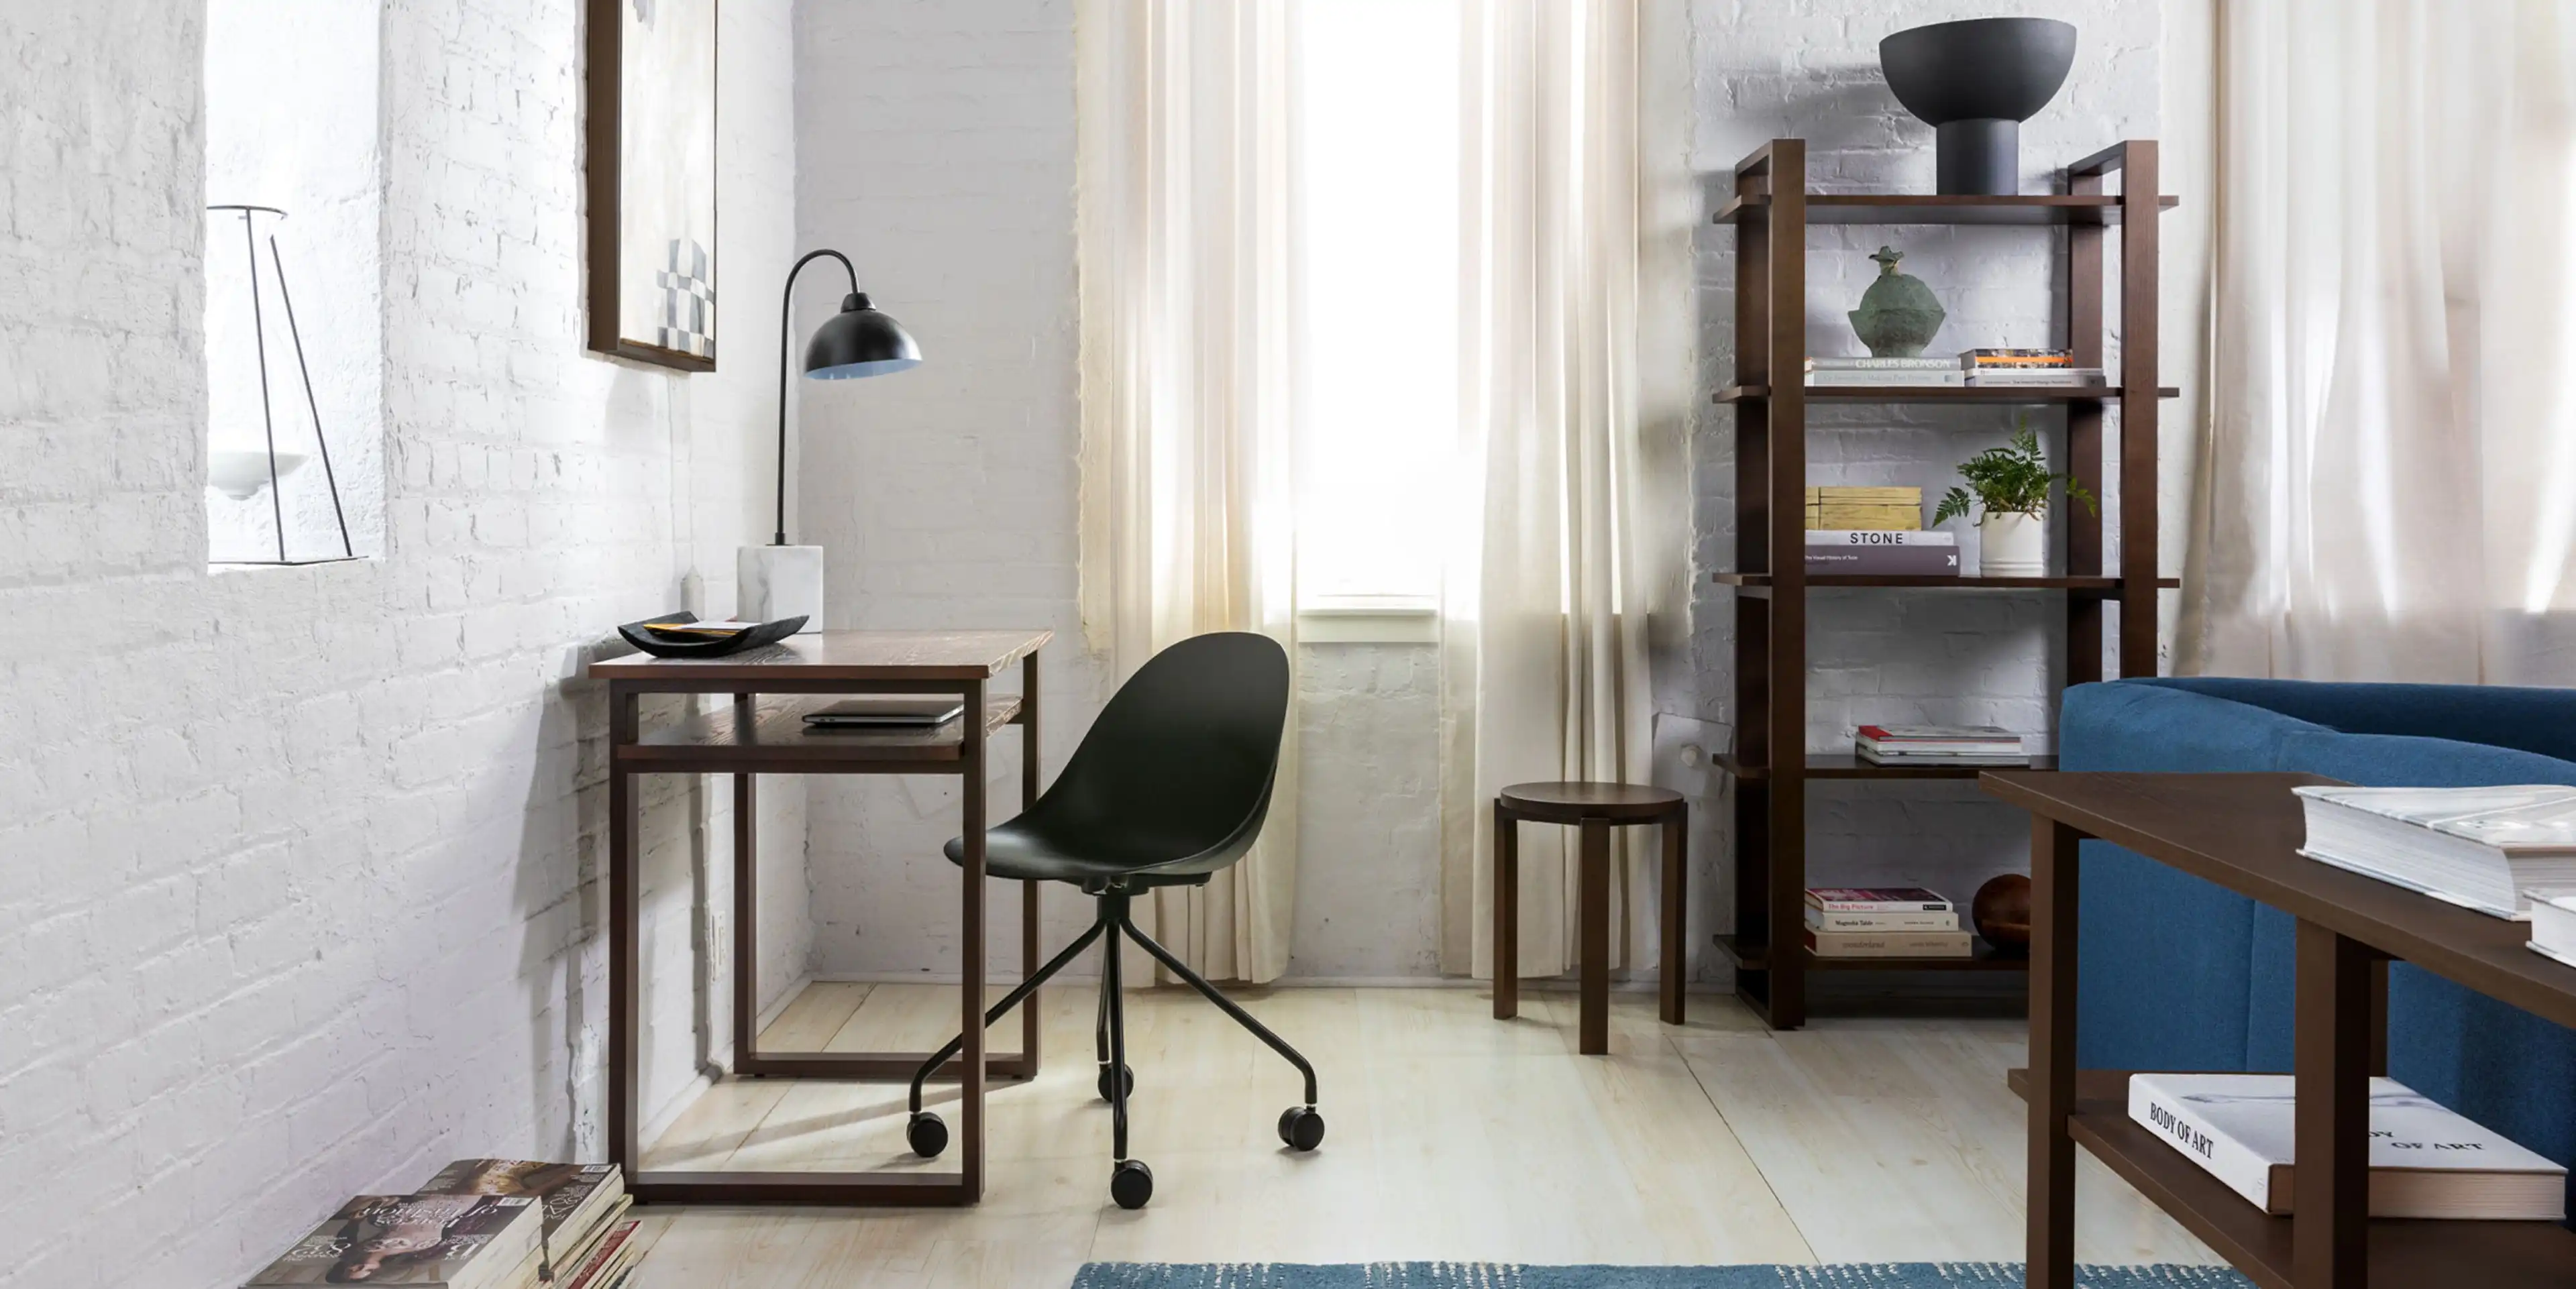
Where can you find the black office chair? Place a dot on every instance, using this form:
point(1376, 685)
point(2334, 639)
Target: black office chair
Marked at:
point(1170, 785)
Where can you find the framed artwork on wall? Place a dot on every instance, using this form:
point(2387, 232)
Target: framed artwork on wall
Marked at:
point(650, 139)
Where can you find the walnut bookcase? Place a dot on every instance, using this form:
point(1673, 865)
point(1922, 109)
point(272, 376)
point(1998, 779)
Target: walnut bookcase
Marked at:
point(1771, 210)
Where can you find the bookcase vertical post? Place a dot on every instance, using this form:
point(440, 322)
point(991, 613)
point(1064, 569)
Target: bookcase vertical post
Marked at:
point(1785, 318)
point(2138, 407)
point(2084, 282)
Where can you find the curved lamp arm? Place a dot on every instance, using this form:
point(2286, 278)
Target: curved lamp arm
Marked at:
point(786, 306)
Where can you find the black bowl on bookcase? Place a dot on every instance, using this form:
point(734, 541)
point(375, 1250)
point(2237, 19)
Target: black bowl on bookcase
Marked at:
point(1974, 83)
point(683, 644)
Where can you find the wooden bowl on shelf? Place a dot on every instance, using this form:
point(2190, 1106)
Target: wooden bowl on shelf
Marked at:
point(2001, 912)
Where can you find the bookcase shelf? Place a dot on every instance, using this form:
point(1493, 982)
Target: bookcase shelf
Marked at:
point(2058, 210)
point(1938, 393)
point(1770, 210)
point(1757, 957)
point(1845, 765)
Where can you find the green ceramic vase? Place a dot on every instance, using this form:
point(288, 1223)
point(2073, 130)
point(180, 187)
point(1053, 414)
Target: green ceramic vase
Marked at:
point(1897, 314)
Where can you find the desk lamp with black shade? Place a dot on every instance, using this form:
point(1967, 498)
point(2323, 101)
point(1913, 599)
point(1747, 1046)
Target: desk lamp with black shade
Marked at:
point(779, 580)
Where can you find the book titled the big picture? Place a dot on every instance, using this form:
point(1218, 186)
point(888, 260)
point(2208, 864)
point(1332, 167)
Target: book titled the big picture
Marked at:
point(418, 1241)
point(2425, 1161)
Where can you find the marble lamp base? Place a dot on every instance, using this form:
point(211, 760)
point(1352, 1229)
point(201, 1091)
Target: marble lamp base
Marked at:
point(776, 582)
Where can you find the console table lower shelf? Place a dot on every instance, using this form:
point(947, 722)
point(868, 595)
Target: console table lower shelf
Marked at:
point(2486, 1255)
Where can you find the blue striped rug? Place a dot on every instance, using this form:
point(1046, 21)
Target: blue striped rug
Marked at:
point(1493, 1275)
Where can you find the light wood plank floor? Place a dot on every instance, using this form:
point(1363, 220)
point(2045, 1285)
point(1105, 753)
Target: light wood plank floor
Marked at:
point(1452, 1136)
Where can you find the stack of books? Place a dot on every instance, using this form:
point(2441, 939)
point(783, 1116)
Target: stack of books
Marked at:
point(2425, 1161)
point(2035, 367)
point(1927, 370)
point(2488, 849)
point(1883, 922)
point(1880, 509)
point(2553, 927)
point(477, 1224)
point(1912, 553)
point(1939, 745)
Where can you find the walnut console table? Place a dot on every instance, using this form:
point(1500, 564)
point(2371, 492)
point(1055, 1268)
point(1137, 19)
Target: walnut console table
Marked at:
point(752, 738)
point(2242, 832)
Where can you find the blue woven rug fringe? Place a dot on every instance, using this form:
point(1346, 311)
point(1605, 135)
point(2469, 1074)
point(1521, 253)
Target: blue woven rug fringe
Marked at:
point(1494, 1275)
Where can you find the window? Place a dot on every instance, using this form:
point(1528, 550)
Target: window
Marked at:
point(292, 125)
point(1377, 151)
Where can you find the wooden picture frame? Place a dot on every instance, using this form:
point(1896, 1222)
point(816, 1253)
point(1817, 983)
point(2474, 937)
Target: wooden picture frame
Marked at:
point(651, 197)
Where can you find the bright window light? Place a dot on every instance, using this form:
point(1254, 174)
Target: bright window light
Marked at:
point(1378, 159)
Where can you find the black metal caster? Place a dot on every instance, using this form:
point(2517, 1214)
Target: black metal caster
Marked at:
point(1131, 1184)
point(927, 1135)
point(1301, 1128)
point(1126, 1076)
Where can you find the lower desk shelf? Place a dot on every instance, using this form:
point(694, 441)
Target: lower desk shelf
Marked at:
point(1757, 957)
point(2486, 1255)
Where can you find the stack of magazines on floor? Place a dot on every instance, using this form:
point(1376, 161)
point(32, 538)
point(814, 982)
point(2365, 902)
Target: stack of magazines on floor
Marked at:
point(1939, 745)
point(477, 1224)
point(2498, 850)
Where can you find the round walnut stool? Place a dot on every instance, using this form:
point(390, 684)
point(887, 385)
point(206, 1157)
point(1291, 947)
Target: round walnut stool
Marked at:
point(1596, 808)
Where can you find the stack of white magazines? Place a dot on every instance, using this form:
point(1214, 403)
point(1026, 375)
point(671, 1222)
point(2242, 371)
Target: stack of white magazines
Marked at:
point(2425, 1161)
point(2485, 848)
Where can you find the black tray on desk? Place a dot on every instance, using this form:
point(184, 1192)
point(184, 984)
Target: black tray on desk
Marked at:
point(668, 644)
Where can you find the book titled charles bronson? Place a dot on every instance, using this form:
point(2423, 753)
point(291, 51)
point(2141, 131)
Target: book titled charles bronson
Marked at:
point(2425, 1161)
point(1882, 552)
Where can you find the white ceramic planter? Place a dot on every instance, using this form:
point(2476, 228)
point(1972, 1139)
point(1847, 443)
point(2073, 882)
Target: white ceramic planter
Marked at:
point(2012, 545)
point(779, 582)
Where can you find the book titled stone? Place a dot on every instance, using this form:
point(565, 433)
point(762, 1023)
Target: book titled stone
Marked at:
point(2484, 848)
point(418, 1241)
point(2425, 1161)
point(1882, 559)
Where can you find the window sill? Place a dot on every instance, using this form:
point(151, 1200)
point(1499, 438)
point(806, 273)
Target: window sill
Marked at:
point(1370, 620)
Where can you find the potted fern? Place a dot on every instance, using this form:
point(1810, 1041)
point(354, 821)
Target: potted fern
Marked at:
point(2010, 485)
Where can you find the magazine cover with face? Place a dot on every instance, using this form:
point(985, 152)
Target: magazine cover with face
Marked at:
point(449, 1241)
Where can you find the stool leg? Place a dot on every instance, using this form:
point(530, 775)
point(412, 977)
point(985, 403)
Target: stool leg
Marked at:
point(1594, 914)
point(1507, 914)
point(1676, 831)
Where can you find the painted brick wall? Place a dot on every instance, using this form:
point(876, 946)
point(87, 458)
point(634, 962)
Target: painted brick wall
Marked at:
point(297, 867)
point(1810, 70)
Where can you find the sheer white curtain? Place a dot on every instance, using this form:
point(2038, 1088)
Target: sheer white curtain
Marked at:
point(1543, 649)
point(1185, 238)
point(2388, 486)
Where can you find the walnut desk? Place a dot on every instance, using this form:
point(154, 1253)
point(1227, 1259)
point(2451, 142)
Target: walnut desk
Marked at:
point(754, 737)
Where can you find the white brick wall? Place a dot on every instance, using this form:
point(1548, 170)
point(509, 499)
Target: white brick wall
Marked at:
point(296, 867)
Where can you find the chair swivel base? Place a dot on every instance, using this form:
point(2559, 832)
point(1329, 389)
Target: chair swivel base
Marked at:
point(1131, 1182)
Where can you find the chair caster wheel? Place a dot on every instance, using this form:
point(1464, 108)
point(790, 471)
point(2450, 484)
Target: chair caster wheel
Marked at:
point(926, 1134)
point(1126, 1076)
point(1131, 1184)
point(1301, 1128)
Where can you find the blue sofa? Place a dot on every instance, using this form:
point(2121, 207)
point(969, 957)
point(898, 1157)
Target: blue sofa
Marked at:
point(2178, 974)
